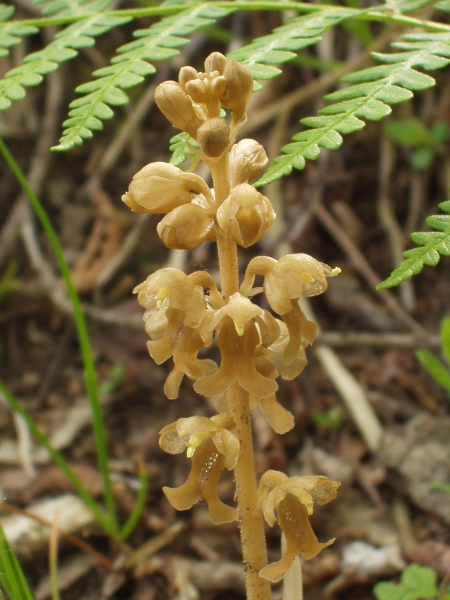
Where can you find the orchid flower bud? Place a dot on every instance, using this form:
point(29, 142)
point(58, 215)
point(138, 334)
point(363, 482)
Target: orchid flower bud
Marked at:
point(186, 74)
point(177, 106)
point(239, 89)
point(186, 227)
point(247, 160)
point(196, 89)
point(159, 187)
point(216, 62)
point(218, 86)
point(214, 137)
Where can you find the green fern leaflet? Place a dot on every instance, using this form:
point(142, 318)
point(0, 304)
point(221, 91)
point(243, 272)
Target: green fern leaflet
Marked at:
point(373, 91)
point(11, 33)
point(281, 46)
point(64, 47)
point(73, 8)
point(129, 68)
point(180, 147)
point(434, 244)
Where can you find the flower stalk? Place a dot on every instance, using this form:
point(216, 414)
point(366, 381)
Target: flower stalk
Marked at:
point(186, 313)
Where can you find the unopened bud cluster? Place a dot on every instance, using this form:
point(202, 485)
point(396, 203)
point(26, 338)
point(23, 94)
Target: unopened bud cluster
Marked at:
point(186, 313)
point(193, 104)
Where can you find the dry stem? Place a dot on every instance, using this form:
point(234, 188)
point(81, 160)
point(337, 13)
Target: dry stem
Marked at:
point(251, 525)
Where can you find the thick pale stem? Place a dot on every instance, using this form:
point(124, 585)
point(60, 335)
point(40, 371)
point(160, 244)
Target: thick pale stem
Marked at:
point(226, 248)
point(228, 265)
point(251, 525)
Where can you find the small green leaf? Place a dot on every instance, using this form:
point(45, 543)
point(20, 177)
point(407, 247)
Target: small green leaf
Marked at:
point(442, 487)
point(370, 74)
point(416, 583)
point(179, 146)
point(393, 94)
point(114, 96)
point(332, 418)
point(69, 8)
point(408, 132)
point(16, 92)
point(422, 159)
point(440, 133)
point(331, 140)
point(413, 80)
point(373, 110)
point(434, 367)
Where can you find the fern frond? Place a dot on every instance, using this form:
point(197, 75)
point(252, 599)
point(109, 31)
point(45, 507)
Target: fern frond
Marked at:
point(280, 46)
point(434, 244)
point(277, 48)
point(374, 90)
point(11, 33)
point(64, 47)
point(129, 68)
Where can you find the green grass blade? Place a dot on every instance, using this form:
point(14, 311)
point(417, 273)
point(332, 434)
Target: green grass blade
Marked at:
point(12, 578)
point(83, 336)
point(57, 458)
point(135, 514)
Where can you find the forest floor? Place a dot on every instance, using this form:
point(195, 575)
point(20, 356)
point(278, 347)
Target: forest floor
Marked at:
point(353, 208)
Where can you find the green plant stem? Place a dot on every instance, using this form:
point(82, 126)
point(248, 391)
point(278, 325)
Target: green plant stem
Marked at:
point(251, 526)
point(11, 573)
point(83, 336)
